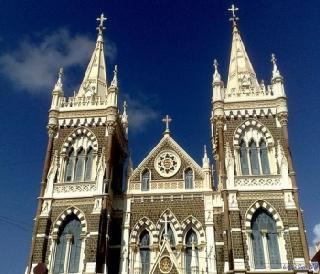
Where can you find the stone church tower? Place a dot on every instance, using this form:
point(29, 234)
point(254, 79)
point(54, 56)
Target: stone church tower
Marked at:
point(260, 226)
point(78, 221)
point(97, 214)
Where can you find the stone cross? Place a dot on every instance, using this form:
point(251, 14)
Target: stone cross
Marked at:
point(167, 120)
point(234, 18)
point(166, 222)
point(101, 19)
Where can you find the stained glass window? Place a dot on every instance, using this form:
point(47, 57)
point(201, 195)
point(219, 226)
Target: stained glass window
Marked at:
point(188, 178)
point(244, 158)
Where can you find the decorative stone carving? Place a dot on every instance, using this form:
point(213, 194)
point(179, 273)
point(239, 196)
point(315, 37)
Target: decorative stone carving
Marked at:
point(51, 175)
point(101, 171)
point(257, 181)
point(229, 162)
point(74, 187)
point(167, 163)
point(46, 208)
point(233, 203)
point(283, 165)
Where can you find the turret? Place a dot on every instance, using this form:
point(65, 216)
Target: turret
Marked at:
point(112, 97)
point(124, 118)
point(57, 91)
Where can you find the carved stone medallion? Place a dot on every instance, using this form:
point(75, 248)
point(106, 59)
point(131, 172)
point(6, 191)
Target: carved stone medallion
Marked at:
point(165, 264)
point(167, 163)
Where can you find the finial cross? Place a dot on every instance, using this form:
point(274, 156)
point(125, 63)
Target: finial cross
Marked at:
point(233, 10)
point(101, 19)
point(167, 120)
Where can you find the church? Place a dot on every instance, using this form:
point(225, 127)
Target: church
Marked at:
point(240, 213)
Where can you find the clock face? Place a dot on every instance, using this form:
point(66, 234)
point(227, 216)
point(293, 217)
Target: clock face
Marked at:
point(165, 264)
point(167, 163)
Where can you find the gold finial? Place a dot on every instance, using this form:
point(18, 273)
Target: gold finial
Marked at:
point(234, 18)
point(101, 19)
point(167, 120)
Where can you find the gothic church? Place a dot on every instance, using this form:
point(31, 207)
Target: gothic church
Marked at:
point(98, 214)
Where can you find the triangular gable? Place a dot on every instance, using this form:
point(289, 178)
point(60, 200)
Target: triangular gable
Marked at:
point(165, 259)
point(170, 142)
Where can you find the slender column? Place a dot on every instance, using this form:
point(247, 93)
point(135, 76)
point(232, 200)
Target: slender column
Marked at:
point(52, 129)
point(105, 214)
point(222, 177)
point(283, 119)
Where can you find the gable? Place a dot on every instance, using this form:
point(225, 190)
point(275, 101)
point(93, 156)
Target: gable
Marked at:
point(181, 160)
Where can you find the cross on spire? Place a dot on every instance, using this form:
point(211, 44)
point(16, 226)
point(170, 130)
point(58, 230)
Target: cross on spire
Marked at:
point(101, 19)
point(233, 10)
point(167, 120)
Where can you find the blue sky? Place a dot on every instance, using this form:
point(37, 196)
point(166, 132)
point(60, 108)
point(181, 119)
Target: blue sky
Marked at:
point(164, 50)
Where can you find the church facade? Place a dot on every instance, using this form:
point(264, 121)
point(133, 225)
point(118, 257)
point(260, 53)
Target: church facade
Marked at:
point(98, 214)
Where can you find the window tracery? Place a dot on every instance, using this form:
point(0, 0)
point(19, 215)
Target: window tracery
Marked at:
point(191, 241)
point(144, 247)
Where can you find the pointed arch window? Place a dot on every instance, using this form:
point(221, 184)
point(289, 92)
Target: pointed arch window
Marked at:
point(79, 165)
point(145, 252)
point(191, 240)
point(265, 245)
point(89, 162)
point(70, 165)
point(188, 178)
point(254, 160)
point(244, 158)
point(170, 236)
point(145, 180)
point(68, 247)
point(264, 157)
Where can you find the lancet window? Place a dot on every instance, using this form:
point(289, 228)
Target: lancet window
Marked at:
point(145, 251)
point(265, 244)
point(188, 178)
point(79, 165)
point(191, 242)
point(145, 180)
point(68, 247)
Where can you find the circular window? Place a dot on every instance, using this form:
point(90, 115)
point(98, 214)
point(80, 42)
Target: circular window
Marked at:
point(167, 163)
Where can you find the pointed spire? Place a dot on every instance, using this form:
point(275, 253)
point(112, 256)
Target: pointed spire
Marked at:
point(95, 79)
point(59, 85)
point(124, 117)
point(114, 82)
point(216, 74)
point(275, 70)
point(205, 159)
point(242, 77)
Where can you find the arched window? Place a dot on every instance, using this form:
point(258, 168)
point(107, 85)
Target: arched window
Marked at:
point(145, 252)
point(265, 245)
point(264, 157)
point(191, 239)
point(70, 165)
point(170, 236)
point(68, 248)
point(80, 165)
point(188, 178)
point(145, 182)
point(89, 162)
point(244, 158)
point(254, 160)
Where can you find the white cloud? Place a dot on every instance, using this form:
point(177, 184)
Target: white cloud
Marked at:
point(140, 113)
point(34, 64)
point(316, 238)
